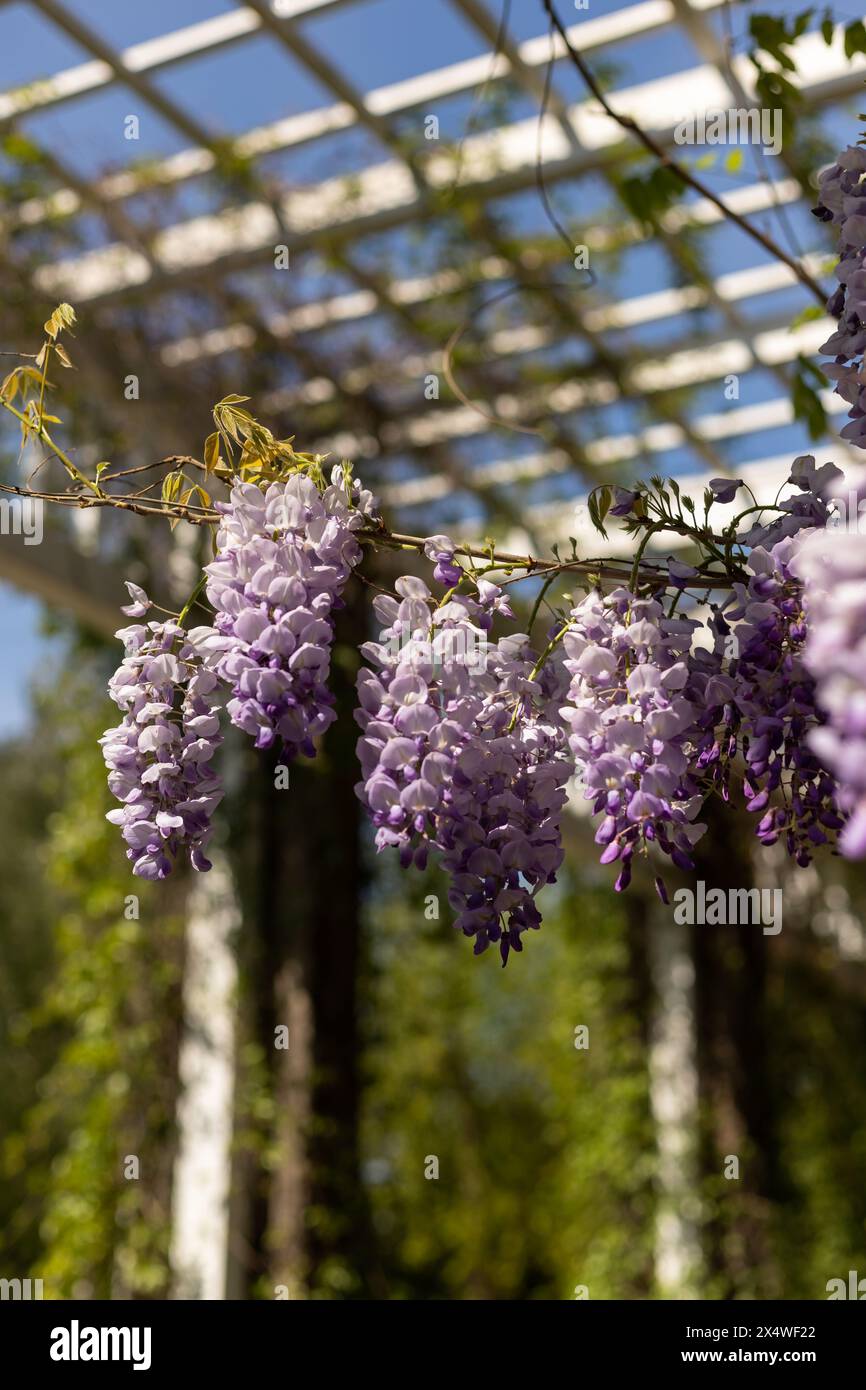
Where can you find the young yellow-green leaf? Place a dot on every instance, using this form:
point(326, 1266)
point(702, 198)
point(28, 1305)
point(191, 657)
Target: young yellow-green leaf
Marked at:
point(171, 485)
point(227, 425)
point(63, 317)
point(176, 494)
point(212, 451)
point(192, 491)
point(62, 355)
point(20, 379)
point(9, 389)
point(595, 511)
point(807, 315)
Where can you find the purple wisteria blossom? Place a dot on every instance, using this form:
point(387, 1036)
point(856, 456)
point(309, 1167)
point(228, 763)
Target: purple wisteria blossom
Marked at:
point(461, 754)
point(806, 508)
point(283, 558)
point(160, 756)
point(631, 727)
point(763, 707)
point(842, 201)
point(725, 489)
point(833, 565)
point(447, 571)
point(623, 501)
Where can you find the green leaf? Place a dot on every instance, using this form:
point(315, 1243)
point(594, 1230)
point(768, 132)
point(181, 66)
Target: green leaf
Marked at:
point(801, 23)
point(855, 38)
point(811, 369)
point(647, 197)
point(807, 315)
point(598, 505)
point(805, 400)
point(767, 30)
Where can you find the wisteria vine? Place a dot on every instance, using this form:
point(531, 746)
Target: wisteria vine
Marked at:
point(740, 677)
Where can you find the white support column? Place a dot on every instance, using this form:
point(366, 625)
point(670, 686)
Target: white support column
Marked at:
point(673, 1097)
point(202, 1173)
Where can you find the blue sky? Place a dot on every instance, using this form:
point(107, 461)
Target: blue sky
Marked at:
point(23, 648)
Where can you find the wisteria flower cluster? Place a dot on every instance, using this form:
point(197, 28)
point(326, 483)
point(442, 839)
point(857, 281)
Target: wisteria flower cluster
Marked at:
point(160, 756)
point(283, 559)
point(461, 752)
point(665, 712)
point(764, 709)
point(833, 565)
point(631, 727)
point(842, 201)
point(468, 741)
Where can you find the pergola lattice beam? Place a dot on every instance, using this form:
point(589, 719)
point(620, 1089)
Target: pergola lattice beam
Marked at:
point(243, 22)
point(387, 195)
point(180, 254)
point(688, 367)
point(103, 53)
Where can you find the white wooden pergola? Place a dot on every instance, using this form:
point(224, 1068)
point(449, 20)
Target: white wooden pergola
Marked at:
point(576, 140)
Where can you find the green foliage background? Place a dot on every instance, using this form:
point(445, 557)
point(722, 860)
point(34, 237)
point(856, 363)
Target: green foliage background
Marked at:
point(547, 1154)
point(89, 1026)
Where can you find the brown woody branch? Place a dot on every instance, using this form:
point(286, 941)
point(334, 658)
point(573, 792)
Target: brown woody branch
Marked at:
point(618, 571)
